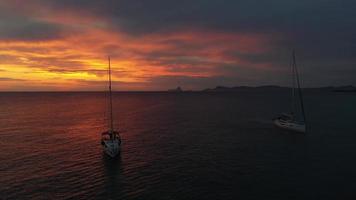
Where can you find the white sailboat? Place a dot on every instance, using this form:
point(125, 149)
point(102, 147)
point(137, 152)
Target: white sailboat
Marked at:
point(110, 140)
point(291, 121)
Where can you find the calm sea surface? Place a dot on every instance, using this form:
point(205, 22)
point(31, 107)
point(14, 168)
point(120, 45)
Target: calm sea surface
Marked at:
point(176, 146)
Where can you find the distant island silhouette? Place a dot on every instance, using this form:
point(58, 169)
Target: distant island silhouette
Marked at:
point(347, 88)
point(178, 89)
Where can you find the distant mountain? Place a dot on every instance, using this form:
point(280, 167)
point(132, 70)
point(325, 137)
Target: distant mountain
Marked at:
point(239, 88)
point(348, 88)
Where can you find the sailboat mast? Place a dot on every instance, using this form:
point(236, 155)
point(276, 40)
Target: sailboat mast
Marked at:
point(110, 99)
point(294, 107)
point(299, 88)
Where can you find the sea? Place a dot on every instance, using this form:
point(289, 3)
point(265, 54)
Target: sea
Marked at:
point(187, 145)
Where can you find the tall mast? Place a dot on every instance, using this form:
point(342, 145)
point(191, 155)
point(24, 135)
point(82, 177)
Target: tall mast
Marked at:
point(294, 107)
point(299, 88)
point(110, 99)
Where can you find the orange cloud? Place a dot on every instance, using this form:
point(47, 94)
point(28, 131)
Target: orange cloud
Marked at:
point(79, 56)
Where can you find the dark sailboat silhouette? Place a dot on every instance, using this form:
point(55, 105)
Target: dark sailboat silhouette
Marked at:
point(291, 121)
point(110, 140)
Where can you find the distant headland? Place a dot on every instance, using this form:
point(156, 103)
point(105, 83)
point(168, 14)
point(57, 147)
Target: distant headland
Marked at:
point(347, 88)
point(178, 89)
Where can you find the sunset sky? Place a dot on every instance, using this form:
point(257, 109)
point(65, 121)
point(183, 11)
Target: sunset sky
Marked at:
point(61, 45)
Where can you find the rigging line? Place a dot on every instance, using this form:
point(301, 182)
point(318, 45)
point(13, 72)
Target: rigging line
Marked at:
point(110, 93)
point(299, 88)
point(294, 107)
point(107, 104)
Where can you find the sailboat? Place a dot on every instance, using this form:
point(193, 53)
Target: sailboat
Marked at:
point(110, 139)
point(291, 121)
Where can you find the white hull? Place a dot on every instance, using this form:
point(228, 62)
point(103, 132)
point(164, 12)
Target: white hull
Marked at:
point(290, 125)
point(111, 147)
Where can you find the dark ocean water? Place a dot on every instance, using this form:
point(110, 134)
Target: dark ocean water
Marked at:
point(176, 146)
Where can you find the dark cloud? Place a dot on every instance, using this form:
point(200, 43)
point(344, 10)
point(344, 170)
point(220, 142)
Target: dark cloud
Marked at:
point(256, 15)
point(22, 28)
point(232, 15)
point(320, 28)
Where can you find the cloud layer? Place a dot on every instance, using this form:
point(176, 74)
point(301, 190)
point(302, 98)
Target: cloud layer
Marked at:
point(159, 44)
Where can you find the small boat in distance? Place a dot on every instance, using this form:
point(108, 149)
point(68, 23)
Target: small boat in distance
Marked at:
point(291, 121)
point(110, 140)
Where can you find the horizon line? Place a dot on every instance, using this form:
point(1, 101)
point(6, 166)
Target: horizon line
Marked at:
point(167, 90)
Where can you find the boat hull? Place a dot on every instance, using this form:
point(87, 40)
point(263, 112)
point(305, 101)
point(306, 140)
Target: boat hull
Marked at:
point(290, 125)
point(111, 147)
